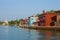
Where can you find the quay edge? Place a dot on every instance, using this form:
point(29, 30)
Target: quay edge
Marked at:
point(53, 28)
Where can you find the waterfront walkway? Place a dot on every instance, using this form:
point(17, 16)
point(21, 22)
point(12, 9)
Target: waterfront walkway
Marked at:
point(54, 28)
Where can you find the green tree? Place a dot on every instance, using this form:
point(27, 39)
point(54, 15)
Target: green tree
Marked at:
point(52, 11)
point(37, 15)
point(52, 23)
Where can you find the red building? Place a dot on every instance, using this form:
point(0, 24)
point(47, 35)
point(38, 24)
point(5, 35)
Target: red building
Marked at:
point(26, 21)
point(47, 19)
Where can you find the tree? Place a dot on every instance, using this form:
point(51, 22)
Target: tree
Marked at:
point(37, 15)
point(52, 23)
point(52, 11)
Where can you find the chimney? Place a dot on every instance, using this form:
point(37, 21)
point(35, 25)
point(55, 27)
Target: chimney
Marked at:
point(43, 11)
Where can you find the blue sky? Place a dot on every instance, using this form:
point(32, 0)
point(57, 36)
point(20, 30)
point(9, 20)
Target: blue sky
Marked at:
point(17, 9)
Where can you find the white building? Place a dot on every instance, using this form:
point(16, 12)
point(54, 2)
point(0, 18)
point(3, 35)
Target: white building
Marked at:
point(5, 23)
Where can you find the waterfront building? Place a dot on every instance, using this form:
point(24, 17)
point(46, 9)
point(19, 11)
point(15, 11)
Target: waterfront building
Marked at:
point(26, 22)
point(23, 22)
point(58, 17)
point(6, 23)
point(47, 19)
point(41, 20)
point(32, 20)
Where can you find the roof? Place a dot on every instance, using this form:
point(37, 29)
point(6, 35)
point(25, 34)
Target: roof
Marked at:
point(58, 11)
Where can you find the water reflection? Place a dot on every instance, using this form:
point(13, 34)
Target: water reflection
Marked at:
point(15, 33)
point(3, 33)
point(6, 29)
point(28, 34)
point(48, 35)
point(31, 34)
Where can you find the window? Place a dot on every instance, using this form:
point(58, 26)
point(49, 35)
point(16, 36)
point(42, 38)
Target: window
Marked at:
point(58, 14)
point(32, 18)
point(59, 21)
point(54, 18)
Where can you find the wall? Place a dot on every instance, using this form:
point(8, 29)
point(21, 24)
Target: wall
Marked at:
point(31, 20)
point(48, 18)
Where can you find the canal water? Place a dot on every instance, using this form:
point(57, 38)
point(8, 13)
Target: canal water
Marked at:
point(16, 33)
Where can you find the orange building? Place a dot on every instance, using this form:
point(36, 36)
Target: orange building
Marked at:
point(50, 18)
point(47, 19)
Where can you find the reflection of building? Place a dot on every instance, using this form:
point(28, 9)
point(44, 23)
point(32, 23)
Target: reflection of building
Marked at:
point(47, 19)
point(45, 35)
point(58, 17)
point(48, 35)
point(32, 20)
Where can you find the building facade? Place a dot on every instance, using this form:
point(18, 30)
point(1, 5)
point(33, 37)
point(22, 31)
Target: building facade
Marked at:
point(50, 19)
point(58, 17)
point(47, 19)
point(32, 20)
point(6, 23)
point(23, 22)
point(41, 20)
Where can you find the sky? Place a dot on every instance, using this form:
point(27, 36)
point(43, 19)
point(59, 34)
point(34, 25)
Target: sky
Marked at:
point(17, 9)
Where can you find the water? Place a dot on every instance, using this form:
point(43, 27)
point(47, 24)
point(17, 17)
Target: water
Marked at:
point(16, 33)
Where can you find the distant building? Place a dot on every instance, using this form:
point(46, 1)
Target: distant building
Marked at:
point(32, 20)
point(6, 23)
point(23, 22)
point(47, 19)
